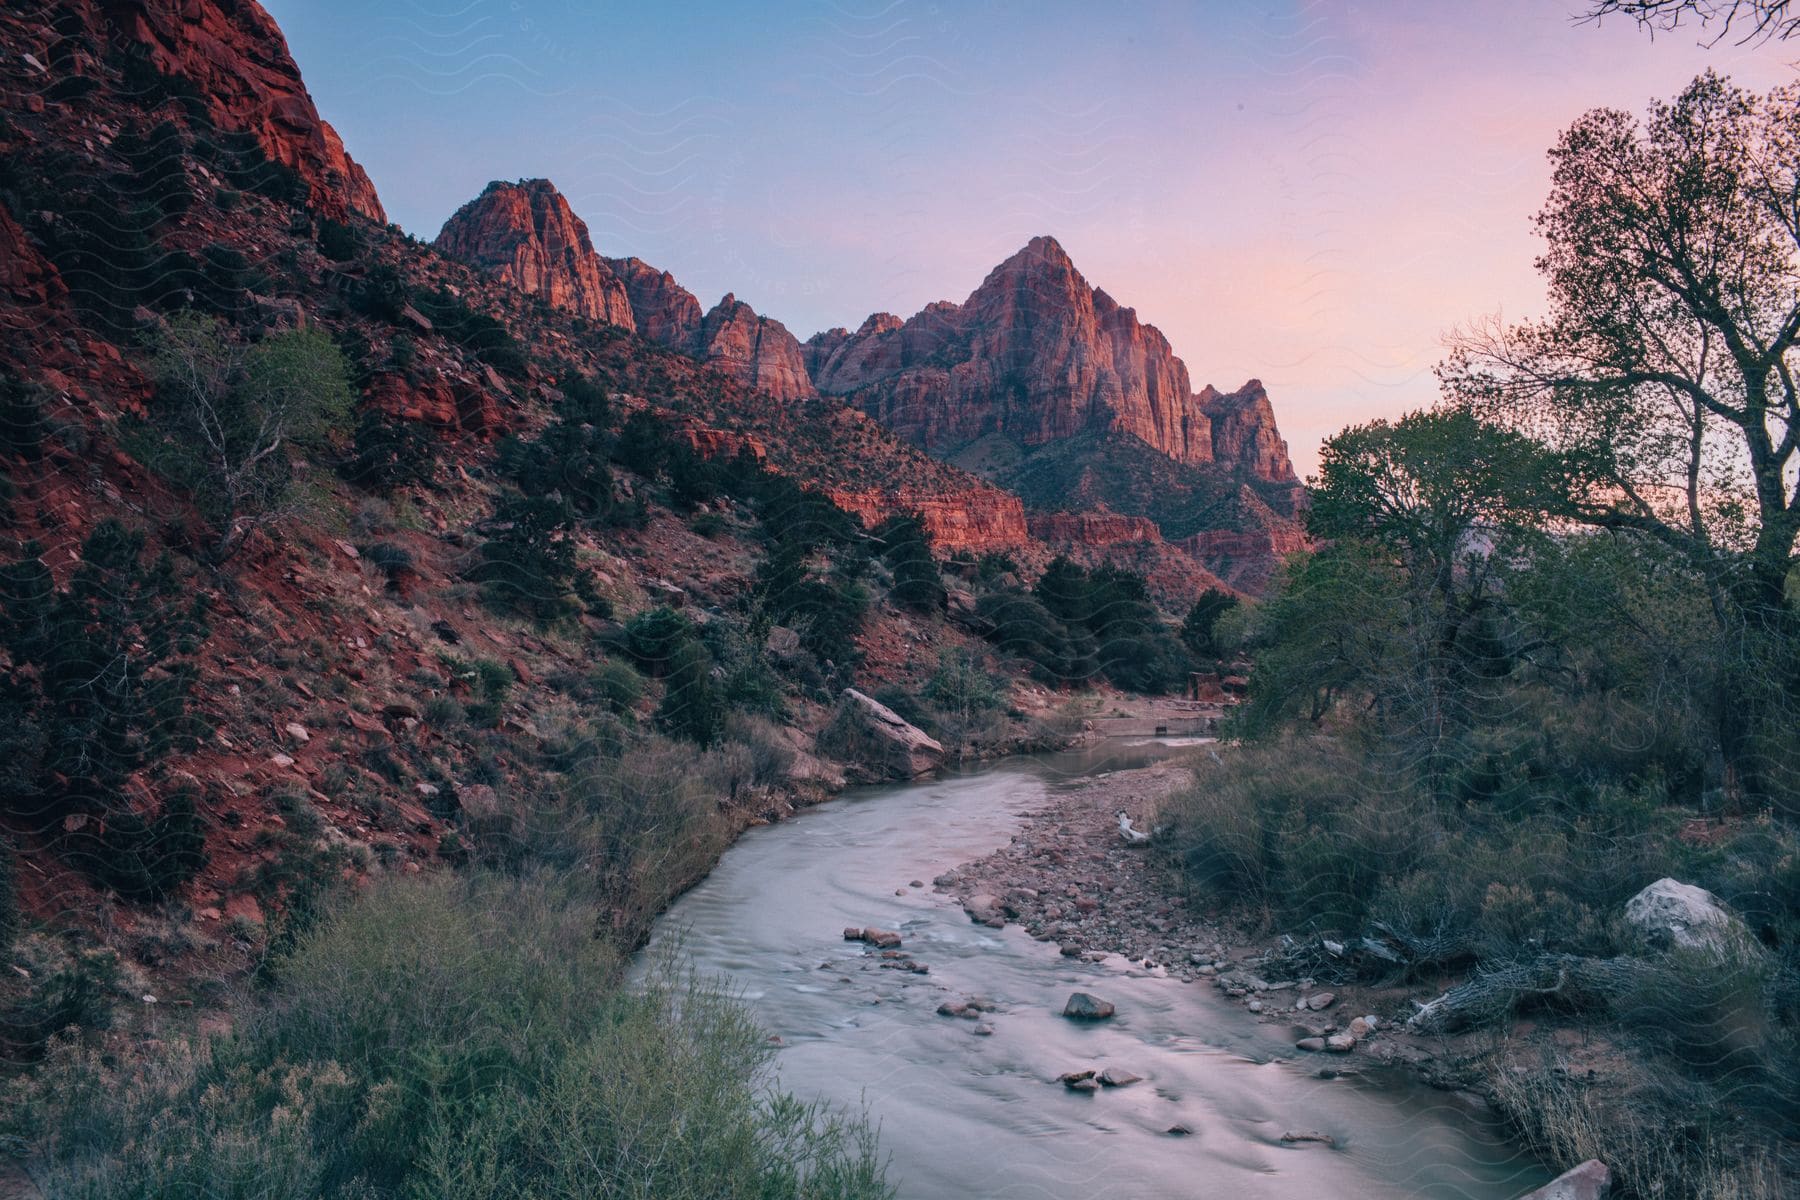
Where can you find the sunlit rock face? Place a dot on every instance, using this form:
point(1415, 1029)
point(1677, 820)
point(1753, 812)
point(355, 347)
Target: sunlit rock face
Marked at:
point(1037, 354)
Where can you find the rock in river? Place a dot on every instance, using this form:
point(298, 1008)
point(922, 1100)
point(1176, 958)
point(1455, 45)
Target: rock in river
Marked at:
point(1085, 1007)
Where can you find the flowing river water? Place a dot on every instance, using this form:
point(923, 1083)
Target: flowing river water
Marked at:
point(966, 1115)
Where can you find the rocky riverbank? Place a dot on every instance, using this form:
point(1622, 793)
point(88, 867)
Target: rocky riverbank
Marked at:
point(1071, 877)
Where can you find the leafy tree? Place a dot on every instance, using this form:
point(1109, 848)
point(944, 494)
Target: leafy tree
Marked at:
point(228, 413)
point(1665, 374)
point(1197, 628)
point(691, 707)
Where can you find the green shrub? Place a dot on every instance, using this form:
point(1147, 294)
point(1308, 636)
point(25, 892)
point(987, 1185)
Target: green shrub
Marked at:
point(390, 558)
point(9, 898)
point(391, 452)
point(691, 708)
point(75, 992)
point(108, 659)
point(337, 241)
point(906, 548)
point(23, 426)
point(617, 687)
point(653, 636)
point(528, 564)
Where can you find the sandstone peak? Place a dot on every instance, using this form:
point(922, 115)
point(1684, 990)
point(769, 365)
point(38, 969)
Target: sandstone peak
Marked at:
point(238, 61)
point(1037, 354)
point(526, 234)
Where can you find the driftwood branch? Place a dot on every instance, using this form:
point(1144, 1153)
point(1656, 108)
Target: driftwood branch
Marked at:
point(1570, 979)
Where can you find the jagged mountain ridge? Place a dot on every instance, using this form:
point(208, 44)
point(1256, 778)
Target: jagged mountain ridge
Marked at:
point(526, 234)
point(1035, 356)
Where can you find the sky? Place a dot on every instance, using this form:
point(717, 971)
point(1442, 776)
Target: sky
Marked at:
point(1311, 194)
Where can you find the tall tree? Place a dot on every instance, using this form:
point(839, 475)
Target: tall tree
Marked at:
point(1665, 372)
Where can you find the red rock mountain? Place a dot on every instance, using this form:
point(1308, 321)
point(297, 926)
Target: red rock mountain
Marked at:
point(525, 234)
point(1036, 354)
point(663, 310)
point(235, 57)
point(756, 350)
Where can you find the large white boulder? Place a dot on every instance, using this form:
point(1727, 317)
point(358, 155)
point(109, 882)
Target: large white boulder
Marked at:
point(1670, 914)
point(1589, 1181)
point(869, 734)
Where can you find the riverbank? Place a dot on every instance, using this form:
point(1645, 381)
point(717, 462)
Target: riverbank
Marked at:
point(1070, 878)
point(955, 1044)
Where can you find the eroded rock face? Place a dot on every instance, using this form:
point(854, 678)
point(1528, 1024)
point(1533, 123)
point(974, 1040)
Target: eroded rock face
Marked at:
point(1244, 432)
point(1095, 527)
point(238, 60)
point(663, 310)
point(526, 234)
point(755, 350)
point(1037, 354)
point(978, 518)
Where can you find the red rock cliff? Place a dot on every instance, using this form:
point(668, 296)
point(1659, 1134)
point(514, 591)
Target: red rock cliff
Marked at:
point(977, 519)
point(1244, 432)
point(758, 351)
point(238, 60)
point(1034, 353)
point(526, 234)
point(1095, 527)
point(1037, 354)
point(664, 311)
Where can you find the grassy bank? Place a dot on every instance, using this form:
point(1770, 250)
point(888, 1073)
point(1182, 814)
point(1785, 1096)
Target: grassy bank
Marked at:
point(448, 1036)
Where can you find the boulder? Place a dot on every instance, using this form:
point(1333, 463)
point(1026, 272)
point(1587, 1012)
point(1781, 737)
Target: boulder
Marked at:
point(1671, 915)
point(884, 939)
point(872, 736)
point(985, 909)
point(1082, 1006)
point(1118, 1077)
point(1589, 1181)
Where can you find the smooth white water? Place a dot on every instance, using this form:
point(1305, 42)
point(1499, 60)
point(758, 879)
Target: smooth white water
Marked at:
point(970, 1116)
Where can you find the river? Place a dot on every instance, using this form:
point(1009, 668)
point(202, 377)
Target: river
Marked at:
point(967, 1115)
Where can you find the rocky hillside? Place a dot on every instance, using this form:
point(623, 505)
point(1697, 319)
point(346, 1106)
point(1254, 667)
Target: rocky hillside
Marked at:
point(480, 523)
